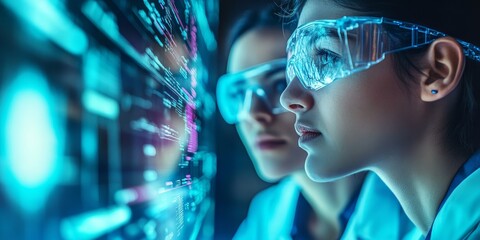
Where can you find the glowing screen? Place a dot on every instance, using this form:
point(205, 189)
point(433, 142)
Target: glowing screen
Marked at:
point(105, 124)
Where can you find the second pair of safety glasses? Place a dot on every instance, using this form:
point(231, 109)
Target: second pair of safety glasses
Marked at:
point(325, 50)
point(237, 91)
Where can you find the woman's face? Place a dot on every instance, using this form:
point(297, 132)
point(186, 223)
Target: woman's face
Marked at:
point(270, 139)
point(354, 122)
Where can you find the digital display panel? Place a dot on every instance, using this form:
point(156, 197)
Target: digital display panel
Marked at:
point(105, 131)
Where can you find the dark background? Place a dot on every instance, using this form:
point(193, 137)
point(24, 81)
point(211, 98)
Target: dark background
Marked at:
point(236, 180)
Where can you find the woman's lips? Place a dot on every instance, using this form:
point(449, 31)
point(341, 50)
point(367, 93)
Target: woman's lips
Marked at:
point(269, 142)
point(306, 134)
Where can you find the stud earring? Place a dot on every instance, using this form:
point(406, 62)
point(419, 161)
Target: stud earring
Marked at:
point(434, 91)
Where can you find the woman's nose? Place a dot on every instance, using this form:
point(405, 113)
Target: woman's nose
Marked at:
point(295, 98)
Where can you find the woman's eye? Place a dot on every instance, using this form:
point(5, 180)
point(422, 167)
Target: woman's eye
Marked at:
point(327, 57)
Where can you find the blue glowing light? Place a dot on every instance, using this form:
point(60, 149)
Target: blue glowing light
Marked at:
point(94, 224)
point(45, 17)
point(100, 104)
point(206, 32)
point(30, 140)
point(149, 150)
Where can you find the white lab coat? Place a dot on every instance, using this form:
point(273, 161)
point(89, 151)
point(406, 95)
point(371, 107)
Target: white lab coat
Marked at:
point(378, 214)
point(459, 218)
point(271, 213)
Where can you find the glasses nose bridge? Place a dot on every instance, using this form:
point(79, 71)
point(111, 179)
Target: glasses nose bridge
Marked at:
point(256, 100)
point(256, 105)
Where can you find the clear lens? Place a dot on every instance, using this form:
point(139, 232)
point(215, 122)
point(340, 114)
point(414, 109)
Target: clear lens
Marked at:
point(322, 51)
point(260, 86)
point(315, 56)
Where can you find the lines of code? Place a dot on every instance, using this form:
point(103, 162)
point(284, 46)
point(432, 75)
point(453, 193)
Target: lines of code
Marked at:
point(113, 98)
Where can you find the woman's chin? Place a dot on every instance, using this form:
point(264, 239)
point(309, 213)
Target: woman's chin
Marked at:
point(321, 171)
point(271, 176)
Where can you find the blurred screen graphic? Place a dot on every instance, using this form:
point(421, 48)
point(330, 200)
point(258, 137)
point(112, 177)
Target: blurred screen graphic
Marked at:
point(105, 129)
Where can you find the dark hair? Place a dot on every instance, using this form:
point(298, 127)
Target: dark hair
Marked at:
point(261, 17)
point(454, 18)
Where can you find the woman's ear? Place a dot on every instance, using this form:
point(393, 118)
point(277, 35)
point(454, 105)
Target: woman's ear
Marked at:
point(442, 67)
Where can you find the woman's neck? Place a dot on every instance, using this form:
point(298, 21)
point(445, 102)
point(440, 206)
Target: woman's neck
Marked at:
point(420, 178)
point(328, 200)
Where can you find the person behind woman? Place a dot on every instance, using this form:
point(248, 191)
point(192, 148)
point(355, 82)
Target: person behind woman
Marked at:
point(248, 96)
point(397, 83)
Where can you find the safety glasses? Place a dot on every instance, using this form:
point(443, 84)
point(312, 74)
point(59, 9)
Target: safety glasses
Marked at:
point(322, 51)
point(236, 92)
